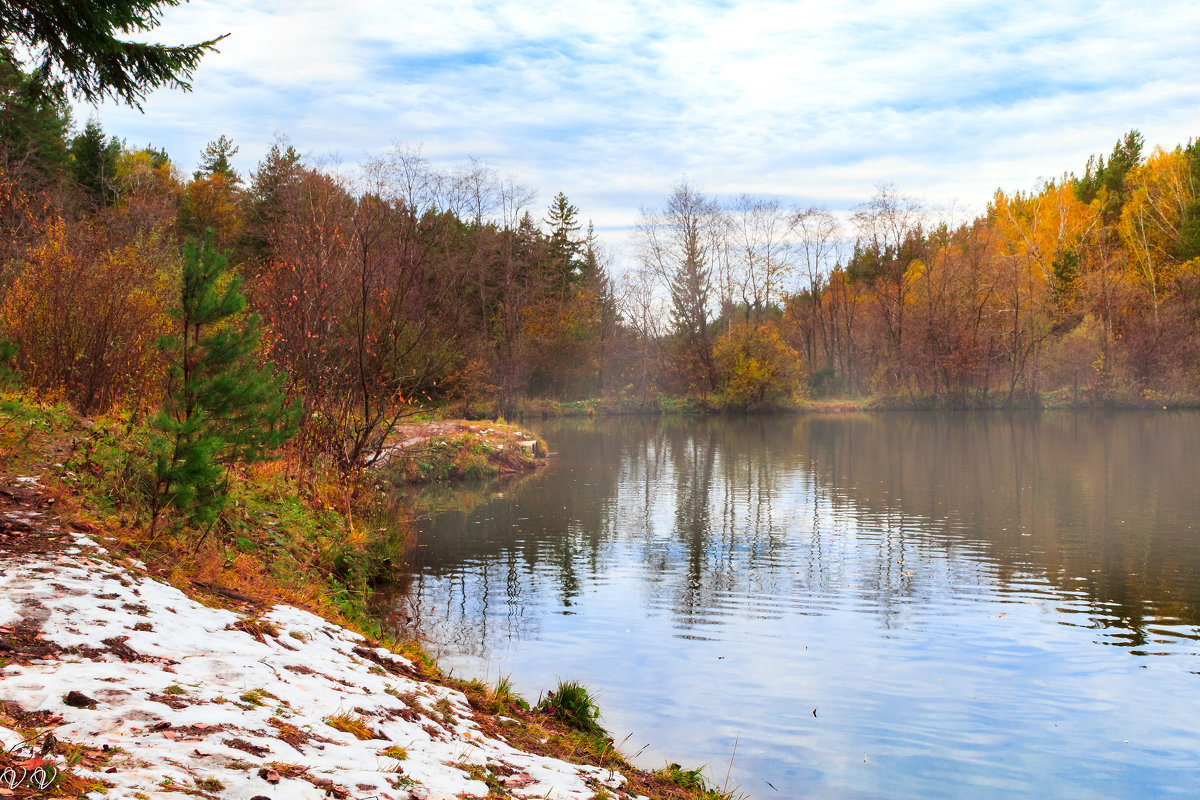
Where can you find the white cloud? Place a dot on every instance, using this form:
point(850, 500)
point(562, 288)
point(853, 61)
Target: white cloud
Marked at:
point(612, 102)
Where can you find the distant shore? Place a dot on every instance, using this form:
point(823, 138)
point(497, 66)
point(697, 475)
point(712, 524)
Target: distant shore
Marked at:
point(672, 405)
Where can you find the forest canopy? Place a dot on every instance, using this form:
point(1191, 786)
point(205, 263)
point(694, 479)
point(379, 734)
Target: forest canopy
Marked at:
point(407, 286)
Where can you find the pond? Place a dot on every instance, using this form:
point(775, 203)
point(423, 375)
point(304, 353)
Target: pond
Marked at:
point(868, 605)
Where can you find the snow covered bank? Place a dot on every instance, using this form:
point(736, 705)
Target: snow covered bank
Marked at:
point(182, 697)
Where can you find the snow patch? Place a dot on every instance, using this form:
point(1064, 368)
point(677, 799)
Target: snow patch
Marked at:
point(190, 693)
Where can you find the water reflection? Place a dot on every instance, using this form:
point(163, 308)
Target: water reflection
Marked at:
point(1101, 506)
point(947, 588)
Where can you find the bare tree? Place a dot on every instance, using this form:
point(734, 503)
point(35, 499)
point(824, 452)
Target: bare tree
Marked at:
point(888, 218)
point(473, 193)
point(405, 177)
point(817, 239)
point(889, 228)
point(680, 245)
point(763, 249)
point(516, 285)
point(643, 310)
point(361, 311)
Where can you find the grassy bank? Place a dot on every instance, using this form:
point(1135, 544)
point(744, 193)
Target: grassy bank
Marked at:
point(297, 534)
point(460, 450)
point(1063, 399)
point(292, 530)
point(291, 533)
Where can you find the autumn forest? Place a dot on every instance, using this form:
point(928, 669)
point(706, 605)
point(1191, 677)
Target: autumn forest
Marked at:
point(399, 285)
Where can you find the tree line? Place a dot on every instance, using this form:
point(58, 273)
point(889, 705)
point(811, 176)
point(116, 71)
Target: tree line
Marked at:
point(381, 291)
point(1085, 290)
point(402, 285)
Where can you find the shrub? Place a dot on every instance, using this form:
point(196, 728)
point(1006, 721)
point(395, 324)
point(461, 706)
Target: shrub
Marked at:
point(757, 368)
point(86, 315)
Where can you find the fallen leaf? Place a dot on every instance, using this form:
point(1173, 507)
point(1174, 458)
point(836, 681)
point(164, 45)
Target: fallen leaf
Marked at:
point(518, 781)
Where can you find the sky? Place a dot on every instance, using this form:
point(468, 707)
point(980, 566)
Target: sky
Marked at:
point(614, 102)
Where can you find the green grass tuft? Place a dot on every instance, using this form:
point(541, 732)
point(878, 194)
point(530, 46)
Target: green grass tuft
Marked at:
point(571, 704)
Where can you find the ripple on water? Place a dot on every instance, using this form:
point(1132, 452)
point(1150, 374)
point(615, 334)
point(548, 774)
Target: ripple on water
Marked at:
point(967, 604)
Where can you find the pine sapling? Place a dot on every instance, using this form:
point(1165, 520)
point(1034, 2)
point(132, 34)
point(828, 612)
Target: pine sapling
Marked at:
point(222, 407)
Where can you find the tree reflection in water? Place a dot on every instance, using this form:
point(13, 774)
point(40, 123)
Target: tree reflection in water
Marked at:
point(897, 507)
point(776, 564)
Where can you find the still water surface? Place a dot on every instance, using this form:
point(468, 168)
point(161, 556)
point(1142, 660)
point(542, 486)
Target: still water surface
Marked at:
point(887, 605)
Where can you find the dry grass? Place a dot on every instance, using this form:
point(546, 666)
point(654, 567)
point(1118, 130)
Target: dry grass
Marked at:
point(257, 628)
point(398, 753)
point(357, 726)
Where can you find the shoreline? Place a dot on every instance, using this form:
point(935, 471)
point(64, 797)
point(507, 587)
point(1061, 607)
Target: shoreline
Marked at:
point(700, 406)
point(80, 613)
point(189, 662)
point(154, 692)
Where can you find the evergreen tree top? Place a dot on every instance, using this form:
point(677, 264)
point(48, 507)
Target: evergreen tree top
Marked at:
point(214, 160)
point(94, 163)
point(562, 217)
point(34, 125)
point(75, 46)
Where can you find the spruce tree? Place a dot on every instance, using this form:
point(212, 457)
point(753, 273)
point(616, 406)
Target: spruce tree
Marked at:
point(94, 164)
point(33, 127)
point(565, 249)
point(222, 408)
point(80, 47)
point(265, 198)
point(215, 160)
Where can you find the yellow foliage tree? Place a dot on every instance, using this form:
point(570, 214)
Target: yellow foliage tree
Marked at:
point(211, 201)
point(1037, 234)
point(756, 368)
point(1161, 189)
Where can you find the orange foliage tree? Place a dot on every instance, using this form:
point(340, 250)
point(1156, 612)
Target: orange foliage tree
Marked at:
point(86, 315)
